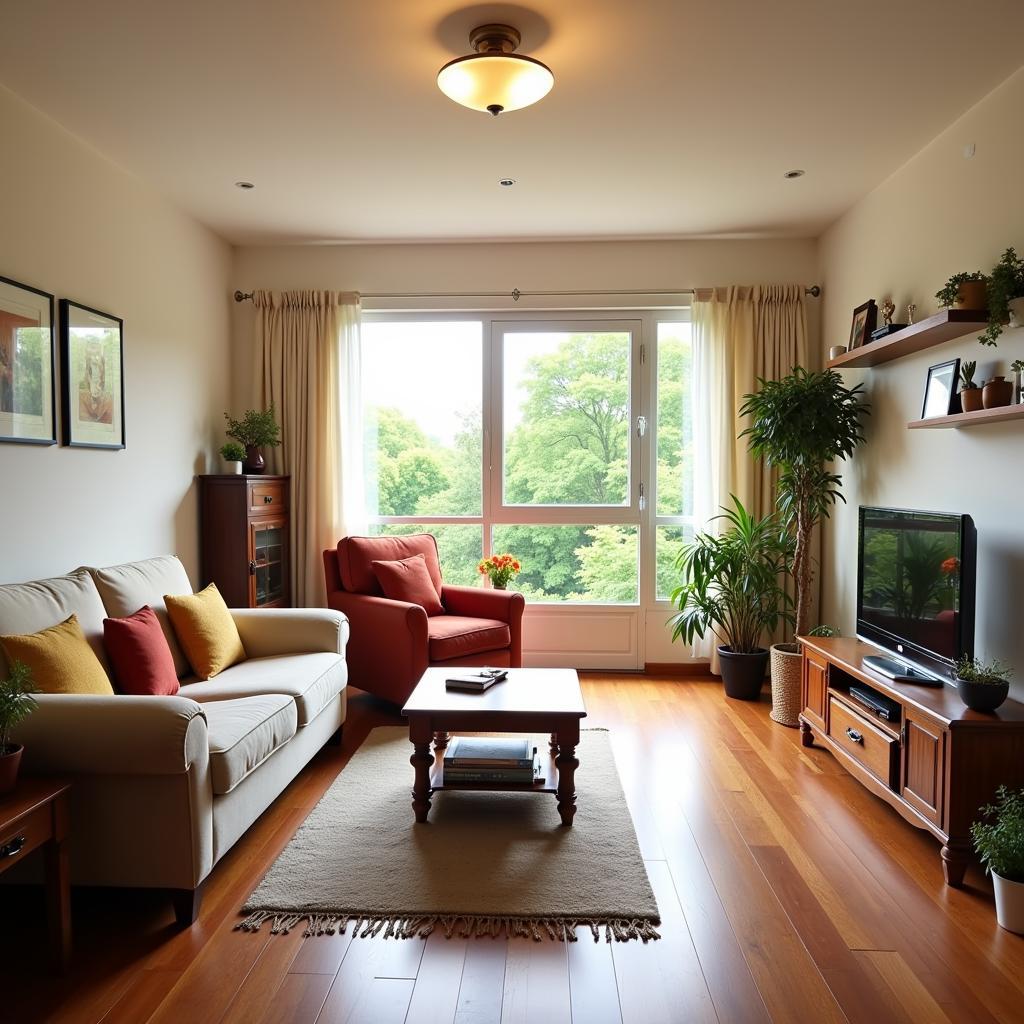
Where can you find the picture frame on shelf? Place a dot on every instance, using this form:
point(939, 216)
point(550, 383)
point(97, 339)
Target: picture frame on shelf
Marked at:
point(940, 391)
point(28, 406)
point(92, 372)
point(865, 319)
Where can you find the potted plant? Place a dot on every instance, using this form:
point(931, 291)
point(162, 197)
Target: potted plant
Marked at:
point(255, 430)
point(801, 424)
point(732, 588)
point(996, 392)
point(1018, 368)
point(970, 393)
point(963, 291)
point(982, 685)
point(999, 841)
point(1005, 295)
point(16, 703)
point(499, 569)
point(233, 454)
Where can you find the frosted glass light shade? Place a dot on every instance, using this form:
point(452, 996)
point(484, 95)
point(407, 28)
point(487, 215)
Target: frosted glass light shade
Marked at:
point(495, 82)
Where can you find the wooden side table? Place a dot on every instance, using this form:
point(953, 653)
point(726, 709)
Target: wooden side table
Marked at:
point(37, 816)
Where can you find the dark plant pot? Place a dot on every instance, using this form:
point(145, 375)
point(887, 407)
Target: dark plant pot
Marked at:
point(10, 758)
point(743, 674)
point(970, 399)
point(982, 696)
point(254, 461)
point(972, 295)
point(996, 393)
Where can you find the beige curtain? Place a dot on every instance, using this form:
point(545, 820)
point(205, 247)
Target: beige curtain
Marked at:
point(304, 342)
point(740, 334)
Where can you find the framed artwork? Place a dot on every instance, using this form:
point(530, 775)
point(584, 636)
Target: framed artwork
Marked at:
point(865, 319)
point(940, 395)
point(28, 408)
point(92, 367)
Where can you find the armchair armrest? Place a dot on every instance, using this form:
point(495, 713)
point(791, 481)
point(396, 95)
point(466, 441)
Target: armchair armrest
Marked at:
point(83, 734)
point(479, 603)
point(269, 631)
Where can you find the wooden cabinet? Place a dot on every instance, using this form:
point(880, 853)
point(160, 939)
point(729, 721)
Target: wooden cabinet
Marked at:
point(244, 529)
point(935, 761)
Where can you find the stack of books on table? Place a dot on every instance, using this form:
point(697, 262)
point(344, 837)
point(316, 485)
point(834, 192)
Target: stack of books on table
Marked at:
point(476, 682)
point(491, 759)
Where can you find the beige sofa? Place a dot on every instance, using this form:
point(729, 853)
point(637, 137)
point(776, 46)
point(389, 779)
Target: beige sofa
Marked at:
point(162, 787)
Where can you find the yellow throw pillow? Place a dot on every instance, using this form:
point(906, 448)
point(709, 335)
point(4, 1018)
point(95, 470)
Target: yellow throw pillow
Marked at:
point(60, 659)
point(207, 633)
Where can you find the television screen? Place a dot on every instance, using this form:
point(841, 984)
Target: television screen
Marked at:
point(916, 583)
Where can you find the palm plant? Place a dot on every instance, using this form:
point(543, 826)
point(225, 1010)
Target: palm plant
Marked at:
point(16, 702)
point(801, 424)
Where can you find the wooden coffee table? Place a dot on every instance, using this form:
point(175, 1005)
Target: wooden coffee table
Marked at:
point(530, 700)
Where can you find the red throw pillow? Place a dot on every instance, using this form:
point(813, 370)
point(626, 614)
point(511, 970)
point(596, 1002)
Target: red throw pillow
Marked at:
point(408, 579)
point(139, 655)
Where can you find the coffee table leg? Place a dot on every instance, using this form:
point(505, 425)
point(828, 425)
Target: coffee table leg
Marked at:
point(567, 763)
point(441, 740)
point(553, 744)
point(421, 760)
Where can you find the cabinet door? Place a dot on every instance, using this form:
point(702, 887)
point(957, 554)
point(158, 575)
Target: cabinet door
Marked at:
point(815, 689)
point(924, 764)
point(268, 562)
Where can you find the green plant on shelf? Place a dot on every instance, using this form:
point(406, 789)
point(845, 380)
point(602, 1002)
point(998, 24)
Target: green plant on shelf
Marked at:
point(255, 429)
point(1005, 283)
point(976, 670)
point(967, 368)
point(999, 835)
point(232, 452)
point(16, 701)
point(1017, 366)
point(949, 293)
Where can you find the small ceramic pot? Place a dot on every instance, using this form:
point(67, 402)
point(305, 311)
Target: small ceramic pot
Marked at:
point(970, 399)
point(982, 696)
point(836, 351)
point(10, 758)
point(972, 295)
point(254, 461)
point(997, 392)
point(233, 468)
point(1016, 312)
point(1009, 903)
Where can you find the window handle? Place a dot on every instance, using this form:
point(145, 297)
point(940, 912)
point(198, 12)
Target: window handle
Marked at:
point(641, 426)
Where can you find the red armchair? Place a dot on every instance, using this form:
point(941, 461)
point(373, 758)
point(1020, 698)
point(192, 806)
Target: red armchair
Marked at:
point(391, 643)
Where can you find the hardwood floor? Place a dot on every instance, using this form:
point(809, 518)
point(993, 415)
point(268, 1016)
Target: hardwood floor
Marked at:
point(755, 927)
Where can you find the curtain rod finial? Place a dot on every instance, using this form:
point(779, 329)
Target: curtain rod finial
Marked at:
point(814, 290)
point(241, 296)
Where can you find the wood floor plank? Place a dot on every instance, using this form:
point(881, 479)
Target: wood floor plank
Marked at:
point(381, 1001)
point(321, 954)
point(298, 1001)
point(435, 997)
point(141, 1000)
point(905, 985)
point(593, 991)
point(265, 978)
point(483, 982)
point(536, 985)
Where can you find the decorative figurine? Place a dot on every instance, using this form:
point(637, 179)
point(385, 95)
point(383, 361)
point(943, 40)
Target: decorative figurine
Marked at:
point(911, 310)
point(888, 327)
point(888, 308)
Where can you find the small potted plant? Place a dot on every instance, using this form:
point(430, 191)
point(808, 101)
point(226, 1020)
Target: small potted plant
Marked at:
point(999, 841)
point(233, 454)
point(963, 291)
point(16, 703)
point(997, 391)
point(1005, 296)
point(970, 393)
point(1018, 368)
point(255, 430)
point(731, 587)
point(982, 685)
point(499, 569)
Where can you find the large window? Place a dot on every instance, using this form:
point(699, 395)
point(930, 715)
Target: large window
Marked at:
point(566, 442)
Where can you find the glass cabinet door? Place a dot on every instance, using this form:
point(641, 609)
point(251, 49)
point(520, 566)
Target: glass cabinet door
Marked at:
point(268, 563)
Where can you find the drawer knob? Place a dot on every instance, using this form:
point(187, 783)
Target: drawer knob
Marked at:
point(267, 499)
point(13, 848)
point(854, 735)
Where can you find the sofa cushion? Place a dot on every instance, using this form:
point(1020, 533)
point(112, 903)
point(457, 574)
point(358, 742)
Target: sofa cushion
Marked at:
point(407, 579)
point(139, 656)
point(124, 589)
point(456, 636)
point(312, 680)
point(60, 659)
point(206, 631)
point(356, 555)
point(244, 733)
point(30, 607)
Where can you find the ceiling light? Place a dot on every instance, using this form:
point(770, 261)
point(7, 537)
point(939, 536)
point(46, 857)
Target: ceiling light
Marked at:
point(794, 174)
point(244, 184)
point(495, 78)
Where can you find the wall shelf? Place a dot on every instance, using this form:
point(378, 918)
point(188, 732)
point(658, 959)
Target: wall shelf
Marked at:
point(969, 419)
point(943, 326)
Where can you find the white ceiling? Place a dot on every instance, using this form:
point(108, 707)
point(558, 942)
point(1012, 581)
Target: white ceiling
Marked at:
point(667, 119)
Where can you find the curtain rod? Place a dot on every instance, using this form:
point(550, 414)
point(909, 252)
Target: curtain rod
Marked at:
point(516, 294)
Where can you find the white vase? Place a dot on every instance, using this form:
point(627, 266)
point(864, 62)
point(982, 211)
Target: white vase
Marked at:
point(235, 468)
point(1009, 904)
point(1016, 312)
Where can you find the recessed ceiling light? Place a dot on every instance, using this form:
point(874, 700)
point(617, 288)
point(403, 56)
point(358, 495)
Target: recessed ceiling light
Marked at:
point(794, 174)
point(507, 182)
point(244, 184)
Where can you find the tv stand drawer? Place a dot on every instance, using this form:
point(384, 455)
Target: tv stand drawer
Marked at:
point(868, 745)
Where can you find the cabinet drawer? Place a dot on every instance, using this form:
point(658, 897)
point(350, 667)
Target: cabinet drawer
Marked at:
point(267, 496)
point(864, 742)
point(29, 833)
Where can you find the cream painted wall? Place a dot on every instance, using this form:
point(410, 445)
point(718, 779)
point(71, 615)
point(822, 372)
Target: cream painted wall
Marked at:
point(79, 227)
point(941, 213)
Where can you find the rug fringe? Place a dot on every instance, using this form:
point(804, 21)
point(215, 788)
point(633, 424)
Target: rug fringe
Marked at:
point(402, 926)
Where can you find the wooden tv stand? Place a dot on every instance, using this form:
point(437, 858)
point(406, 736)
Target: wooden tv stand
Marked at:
point(936, 763)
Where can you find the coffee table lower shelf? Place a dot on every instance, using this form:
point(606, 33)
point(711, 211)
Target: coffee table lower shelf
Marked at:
point(549, 785)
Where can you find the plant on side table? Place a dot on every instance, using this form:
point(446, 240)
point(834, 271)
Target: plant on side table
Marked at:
point(1005, 296)
point(999, 841)
point(256, 430)
point(963, 291)
point(731, 587)
point(801, 424)
point(233, 455)
point(16, 703)
point(982, 685)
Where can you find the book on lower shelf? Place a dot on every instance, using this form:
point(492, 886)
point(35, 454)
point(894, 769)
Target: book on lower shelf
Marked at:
point(489, 752)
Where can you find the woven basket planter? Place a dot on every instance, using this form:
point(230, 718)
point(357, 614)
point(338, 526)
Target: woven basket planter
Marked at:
point(786, 665)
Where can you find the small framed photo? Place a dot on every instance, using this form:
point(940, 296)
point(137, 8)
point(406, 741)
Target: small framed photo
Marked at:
point(865, 319)
point(92, 367)
point(28, 407)
point(940, 394)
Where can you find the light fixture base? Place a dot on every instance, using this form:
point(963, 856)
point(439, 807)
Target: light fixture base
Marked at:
point(495, 39)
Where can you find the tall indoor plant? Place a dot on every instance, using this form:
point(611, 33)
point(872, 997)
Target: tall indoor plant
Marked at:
point(731, 587)
point(256, 430)
point(801, 424)
point(16, 703)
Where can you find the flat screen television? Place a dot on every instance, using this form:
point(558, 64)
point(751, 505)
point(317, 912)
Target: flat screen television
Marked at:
point(915, 585)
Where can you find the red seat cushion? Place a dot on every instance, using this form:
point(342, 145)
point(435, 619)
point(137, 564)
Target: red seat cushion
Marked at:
point(407, 579)
point(139, 654)
point(457, 636)
point(356, 555)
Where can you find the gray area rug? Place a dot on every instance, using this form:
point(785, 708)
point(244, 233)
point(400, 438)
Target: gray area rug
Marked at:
point(484, 863)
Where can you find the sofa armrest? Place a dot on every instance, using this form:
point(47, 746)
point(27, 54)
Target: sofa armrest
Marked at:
point(269, 631)
point(84, 734)
point(478, 603)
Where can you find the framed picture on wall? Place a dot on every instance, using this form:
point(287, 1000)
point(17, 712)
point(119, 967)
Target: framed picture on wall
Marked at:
point(865, 317)
point(940, 395)
point(92, 368)
point(28, 410)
